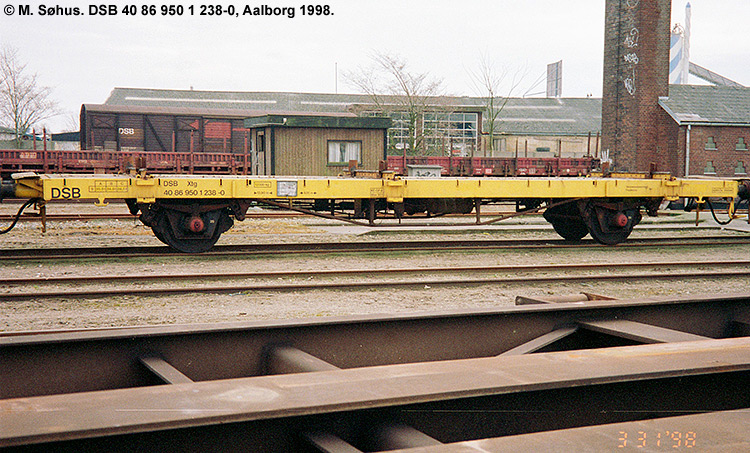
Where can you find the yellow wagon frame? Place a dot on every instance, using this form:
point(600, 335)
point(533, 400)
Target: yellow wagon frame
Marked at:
point(146, 190)
point(190, 212)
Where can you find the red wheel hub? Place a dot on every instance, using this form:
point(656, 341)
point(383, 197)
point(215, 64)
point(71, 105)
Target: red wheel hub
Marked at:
point(620, 220)
point(196, 225)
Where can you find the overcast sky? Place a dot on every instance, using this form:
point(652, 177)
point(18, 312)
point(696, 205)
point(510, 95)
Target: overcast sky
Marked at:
point(82, 58)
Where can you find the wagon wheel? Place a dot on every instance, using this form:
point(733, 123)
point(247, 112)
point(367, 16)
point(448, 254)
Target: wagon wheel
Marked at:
point(191, 232)
point(567, 221)
point(572, 231)
point(609, 223)
point(158, 234)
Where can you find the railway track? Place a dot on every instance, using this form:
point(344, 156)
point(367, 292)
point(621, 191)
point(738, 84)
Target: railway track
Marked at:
point(264, 214)
point(4, 218)
point(21, 254)
point(309, 280)
point(35, 217)
point(597, 376)
point(363, 272)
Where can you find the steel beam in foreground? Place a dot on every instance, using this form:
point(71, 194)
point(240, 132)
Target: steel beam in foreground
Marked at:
point(104, 359)
point(451, 401)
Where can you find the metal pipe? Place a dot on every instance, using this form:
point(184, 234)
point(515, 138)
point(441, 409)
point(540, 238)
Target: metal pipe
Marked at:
point(685, 63)
point(687, 150)
point(596, 150)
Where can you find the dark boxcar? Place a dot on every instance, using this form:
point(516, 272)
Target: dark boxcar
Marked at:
point(155, 129)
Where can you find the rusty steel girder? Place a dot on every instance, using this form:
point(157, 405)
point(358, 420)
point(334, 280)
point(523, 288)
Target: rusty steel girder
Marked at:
point(382, 382)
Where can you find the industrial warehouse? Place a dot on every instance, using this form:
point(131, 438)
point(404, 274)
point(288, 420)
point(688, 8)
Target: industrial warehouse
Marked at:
point(703, 130)
point(282, 271)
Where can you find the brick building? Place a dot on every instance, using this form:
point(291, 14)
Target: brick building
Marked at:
point(706, 130)
point(684, 129)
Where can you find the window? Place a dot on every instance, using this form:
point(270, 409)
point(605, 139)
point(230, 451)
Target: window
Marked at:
point(340, 153)
point(711, 144)
point(740, 169)
point(500, 144)
point(398, 134)
point(435, 132)
point(741, 145)
point(710, 169)
point(457, 131)
point(542, 149)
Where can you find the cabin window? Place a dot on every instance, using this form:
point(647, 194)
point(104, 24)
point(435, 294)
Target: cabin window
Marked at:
point(741, 145)
point(340, 152)
point(711, 144)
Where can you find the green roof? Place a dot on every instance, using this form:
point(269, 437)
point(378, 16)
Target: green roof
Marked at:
point(256, 100)
point(708, 105)
point(319, 121)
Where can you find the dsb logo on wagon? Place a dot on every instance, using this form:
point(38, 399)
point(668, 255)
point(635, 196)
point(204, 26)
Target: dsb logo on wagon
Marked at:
point(66, 192)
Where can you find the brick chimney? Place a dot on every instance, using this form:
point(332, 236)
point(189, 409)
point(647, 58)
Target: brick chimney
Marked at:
point(636, 74)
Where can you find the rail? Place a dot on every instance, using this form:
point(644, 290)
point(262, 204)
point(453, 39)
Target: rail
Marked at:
point(354, 285)
point(303, 248)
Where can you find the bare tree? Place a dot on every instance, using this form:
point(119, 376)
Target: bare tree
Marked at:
point(487, 82)
point(72, 122)
point(403, 95)
point(23, 102)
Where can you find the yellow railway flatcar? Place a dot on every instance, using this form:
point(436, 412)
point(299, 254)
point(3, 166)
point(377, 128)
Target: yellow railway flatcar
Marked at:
point(189, 213)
